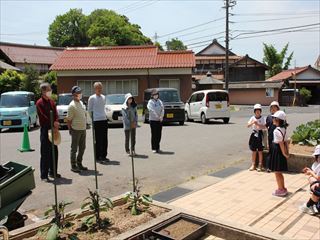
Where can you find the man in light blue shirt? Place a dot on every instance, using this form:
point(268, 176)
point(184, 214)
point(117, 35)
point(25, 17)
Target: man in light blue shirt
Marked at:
point(96, 105)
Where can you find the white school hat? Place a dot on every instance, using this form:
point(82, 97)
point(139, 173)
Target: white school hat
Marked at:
point(280, 115)
point(57, 137)
point(316, 151)
point(275, 103)
point(257, 106)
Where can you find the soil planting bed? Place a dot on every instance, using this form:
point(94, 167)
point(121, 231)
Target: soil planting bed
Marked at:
point(301, 149)
point(121, 221)
point(179, 229)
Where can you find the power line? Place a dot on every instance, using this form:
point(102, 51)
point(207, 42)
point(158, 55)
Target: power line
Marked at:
point(147, 3)
point(273, 19)
point(189, 28)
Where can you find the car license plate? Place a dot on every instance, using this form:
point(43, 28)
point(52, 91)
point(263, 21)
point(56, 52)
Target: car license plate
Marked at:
point(65, 120)
point(120, 118)
point(218, 106)
point(169, 115)
point(7, 123)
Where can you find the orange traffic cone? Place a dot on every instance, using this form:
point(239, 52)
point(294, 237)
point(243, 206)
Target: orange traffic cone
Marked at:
point(25, 145)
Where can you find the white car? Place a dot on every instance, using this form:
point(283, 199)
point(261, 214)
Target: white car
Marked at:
point(63, 102)
point(208, 104)
point(114, 104)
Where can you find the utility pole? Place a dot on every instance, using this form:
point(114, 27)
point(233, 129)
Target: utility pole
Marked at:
point(228, 4)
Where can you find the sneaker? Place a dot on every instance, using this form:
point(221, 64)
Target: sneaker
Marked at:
point(310, 210)
point(57, 175)
point(154, 151)
point(81, 167)
point(128, 152)
point(252, 168)
point(134, 153)
point(280, 192)
point(268, 170)
point(75, 169)
point(260, 169)
point(47, 180)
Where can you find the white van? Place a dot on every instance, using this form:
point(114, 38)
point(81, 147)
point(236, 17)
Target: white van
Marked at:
point(208, 104)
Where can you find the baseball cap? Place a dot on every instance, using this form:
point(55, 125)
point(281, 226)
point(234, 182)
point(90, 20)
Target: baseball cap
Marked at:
point(316, 151)
point(280, 115)
point(75, 89)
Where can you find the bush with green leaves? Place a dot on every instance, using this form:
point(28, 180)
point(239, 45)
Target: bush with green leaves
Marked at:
point(10, 80)
point(138, 202)
point(307, 134)
point(95, 203)
point(305, 93)
point(58, 222)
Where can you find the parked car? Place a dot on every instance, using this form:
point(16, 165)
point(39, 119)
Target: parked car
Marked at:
point(64, 99)
point(208, 104)
point(63, 102)
point(17, 108)
point(114, 103)
point(173, 106)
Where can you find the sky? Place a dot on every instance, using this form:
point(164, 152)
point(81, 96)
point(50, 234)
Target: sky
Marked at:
point(195, 22)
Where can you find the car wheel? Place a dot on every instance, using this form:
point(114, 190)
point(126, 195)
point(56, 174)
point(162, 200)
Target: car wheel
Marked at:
point(226, 120)
point(181, 123)
point(186, 116)
point(203, 118)
point(29, 125)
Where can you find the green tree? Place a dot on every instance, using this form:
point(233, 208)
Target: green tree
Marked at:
point(175, 44)
point(106, 27)
point(10, 80)
point(30, 82)
point(274, 60)
point(68, 30)
point(159, 46)
point(51, 77)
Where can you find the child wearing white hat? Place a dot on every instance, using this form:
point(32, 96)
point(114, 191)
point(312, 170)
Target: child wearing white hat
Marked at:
point(279, 152)
point(257, 122)
point(312, 207)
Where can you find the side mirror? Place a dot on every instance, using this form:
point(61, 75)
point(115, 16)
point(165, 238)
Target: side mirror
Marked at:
point(31, 103)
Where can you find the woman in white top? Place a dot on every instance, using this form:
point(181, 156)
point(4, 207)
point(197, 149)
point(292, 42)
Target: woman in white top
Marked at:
point(313, 205)
point(279, 152)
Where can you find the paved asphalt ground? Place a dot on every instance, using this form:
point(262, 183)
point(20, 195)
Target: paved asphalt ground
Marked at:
point(189, 151)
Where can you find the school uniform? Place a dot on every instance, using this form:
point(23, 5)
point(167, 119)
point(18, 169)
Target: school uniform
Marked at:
point(278, 162)
point(156, 113)
point(256, 137)
point(271, 127)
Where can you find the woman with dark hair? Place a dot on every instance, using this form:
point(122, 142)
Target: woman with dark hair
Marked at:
point(274, 107)
point(279, 152)
point(130, 120)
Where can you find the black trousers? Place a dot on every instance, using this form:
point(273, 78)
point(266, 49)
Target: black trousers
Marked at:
point(156, 130)
point(46, 160)
point(101, 133)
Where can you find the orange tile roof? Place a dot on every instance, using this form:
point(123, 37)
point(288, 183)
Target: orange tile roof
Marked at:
point(21, 53)
point(122, 57)
point(285, 74)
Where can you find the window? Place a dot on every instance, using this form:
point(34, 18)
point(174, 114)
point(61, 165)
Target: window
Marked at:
point(110, 86)
point(170, 83)
point(193, 98)
point(218, 97)
point(269, 92)
point(200, 97)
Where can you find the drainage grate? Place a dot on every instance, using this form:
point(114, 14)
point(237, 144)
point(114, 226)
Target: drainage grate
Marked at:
point(226, 172)
point(170, 194)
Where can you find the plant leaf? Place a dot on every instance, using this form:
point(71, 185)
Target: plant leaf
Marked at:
point(53, 232)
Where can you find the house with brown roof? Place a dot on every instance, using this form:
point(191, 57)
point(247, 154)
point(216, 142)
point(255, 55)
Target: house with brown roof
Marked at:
point(241, 68)
point(297, 78)
point(21, 55)
point(124, 69)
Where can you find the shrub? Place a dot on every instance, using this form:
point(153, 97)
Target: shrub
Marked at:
point(10, 80)
point(305, 93)
point(307, 134)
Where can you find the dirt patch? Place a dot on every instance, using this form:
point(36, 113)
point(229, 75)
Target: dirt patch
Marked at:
point(121, 221)
point(301, 149)
point(179, 229)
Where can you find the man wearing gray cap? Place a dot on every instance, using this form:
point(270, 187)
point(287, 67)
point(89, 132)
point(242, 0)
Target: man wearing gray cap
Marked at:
point(77, 123)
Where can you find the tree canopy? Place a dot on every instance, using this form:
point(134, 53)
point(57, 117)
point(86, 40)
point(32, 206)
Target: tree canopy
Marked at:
point(10, 80)
point(102, 27)
point(175, 44)
point(276, 61)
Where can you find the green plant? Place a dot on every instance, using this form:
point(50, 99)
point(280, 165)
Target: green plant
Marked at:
point(305, 93)
point(138, 202)
point(96, 204)
point(307, 134)
point(58, 222)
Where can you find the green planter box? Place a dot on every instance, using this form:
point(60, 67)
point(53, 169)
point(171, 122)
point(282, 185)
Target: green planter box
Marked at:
point(17, 185)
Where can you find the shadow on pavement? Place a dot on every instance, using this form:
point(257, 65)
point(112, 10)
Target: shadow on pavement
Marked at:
point(63, 181)
point(166, 153)
point(141, 156)
point(110, 163)
point(89, 173)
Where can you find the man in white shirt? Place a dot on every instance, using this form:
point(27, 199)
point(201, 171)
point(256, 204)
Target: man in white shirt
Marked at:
point(96, 105)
